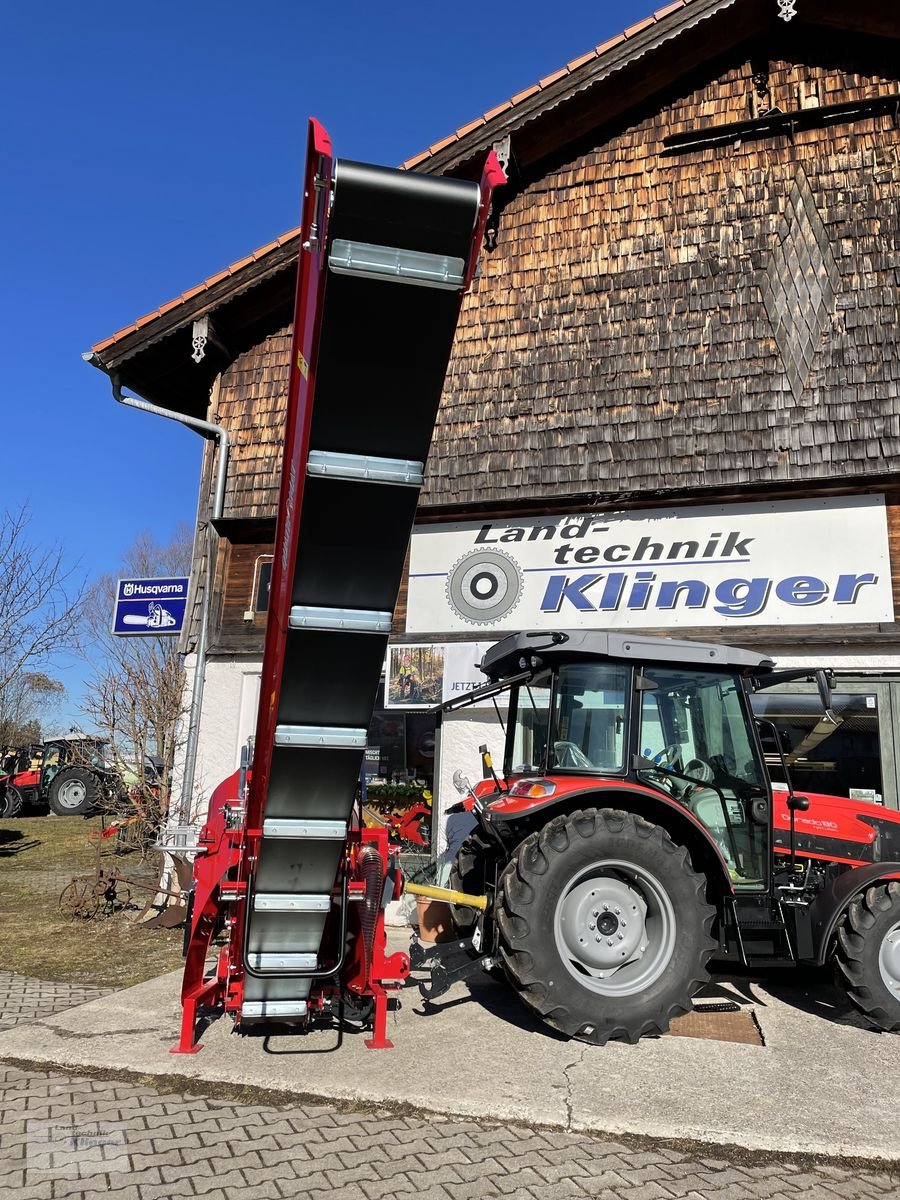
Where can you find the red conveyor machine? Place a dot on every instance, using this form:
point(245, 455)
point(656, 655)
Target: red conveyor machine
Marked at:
point(286, 871)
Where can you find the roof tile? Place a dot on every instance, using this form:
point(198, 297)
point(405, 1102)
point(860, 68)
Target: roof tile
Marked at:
point(548, 79)
point(670, 8)
point(523, 95)
point(610, 43)
point(264, 250)
point(417, 158)
point(447, 141)
point(464, 129)
point(639, 26)
point(579, 62)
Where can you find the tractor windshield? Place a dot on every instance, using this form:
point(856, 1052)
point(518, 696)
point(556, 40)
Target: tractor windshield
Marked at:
point(573, 723)
point(695, 741)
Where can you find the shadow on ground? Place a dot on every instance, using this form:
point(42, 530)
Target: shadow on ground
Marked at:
point(807, 989)
point(13, 841)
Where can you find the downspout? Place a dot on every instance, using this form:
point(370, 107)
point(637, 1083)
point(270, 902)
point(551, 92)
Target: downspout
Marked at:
point(207, 429)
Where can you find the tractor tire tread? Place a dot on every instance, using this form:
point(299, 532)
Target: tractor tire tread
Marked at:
point(516, 893)
point(855, 955)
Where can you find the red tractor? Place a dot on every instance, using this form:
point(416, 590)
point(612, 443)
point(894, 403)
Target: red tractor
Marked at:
point(636, 834)
point(69, 774)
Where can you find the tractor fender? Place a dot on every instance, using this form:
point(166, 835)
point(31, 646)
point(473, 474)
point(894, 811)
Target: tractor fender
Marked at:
point(829, 906)
point(681, 824)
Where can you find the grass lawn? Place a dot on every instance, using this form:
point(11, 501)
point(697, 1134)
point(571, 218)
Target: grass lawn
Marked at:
point(38, 857)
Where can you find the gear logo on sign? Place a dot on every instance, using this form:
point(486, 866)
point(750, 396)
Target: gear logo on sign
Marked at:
point(484, 586)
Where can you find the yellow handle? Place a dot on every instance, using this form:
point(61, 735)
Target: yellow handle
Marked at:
point(447, 894)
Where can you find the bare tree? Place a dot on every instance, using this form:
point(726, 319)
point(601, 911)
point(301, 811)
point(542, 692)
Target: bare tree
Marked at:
point(41, 605)
point(29, 699)
point(136, 694)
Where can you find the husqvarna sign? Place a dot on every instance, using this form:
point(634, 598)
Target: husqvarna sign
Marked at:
point(775, 563)
point(150, 607)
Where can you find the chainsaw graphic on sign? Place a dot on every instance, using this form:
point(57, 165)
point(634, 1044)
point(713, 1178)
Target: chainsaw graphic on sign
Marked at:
point(157, 617)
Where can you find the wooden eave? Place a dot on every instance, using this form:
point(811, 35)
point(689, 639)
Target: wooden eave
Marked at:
point(154, 359)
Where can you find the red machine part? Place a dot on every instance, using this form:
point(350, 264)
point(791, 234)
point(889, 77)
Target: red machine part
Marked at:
point(219, 893)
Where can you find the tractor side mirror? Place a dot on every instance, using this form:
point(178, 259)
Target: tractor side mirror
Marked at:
point(759, 811)
point(461, 783)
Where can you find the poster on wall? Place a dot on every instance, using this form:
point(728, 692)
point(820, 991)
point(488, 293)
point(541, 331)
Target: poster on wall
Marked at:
point(462, 673)
point(822, 561)
point(415, 676)
point(423, 676)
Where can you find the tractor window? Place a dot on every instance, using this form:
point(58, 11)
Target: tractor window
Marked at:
point(532, 707)
point(696, 743)
point(589, 718)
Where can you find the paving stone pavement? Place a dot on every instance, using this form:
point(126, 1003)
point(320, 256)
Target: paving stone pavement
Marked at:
point(71, 1138)
point(24, 999)
point(65, 1137)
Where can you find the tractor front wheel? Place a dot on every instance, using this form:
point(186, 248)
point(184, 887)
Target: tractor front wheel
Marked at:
point(868, 954)
point(604, 926)
point(74, 793)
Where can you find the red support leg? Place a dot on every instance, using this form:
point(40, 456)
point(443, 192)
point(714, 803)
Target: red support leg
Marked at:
point(379, 1039)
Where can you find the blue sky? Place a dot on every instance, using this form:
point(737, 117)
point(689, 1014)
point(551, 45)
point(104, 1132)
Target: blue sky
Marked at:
point(147, 146)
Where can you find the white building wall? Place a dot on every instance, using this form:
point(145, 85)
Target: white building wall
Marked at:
point(460, 736)
point(228, 718)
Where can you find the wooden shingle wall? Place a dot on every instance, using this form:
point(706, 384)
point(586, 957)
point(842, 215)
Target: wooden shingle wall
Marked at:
point(251, 405)
point(617, 340)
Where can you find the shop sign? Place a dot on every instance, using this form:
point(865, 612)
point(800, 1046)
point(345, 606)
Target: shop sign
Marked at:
point(150, 607)
point(800, 562)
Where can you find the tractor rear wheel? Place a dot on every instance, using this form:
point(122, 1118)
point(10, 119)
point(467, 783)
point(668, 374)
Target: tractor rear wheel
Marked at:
point(604, 926)
point(74, 792)
point(868, 954)
point(469, 874)
point(11, 802)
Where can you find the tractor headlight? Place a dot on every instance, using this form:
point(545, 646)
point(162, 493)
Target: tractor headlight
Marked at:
point(535, 789)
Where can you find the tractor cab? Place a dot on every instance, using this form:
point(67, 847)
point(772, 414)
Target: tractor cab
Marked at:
point(589, 710)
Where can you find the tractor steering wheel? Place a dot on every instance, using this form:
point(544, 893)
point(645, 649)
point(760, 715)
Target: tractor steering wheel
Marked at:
point(665, 757)
point(570, 754)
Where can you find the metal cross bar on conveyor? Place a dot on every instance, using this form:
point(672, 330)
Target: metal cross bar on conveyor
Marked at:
point(385, 258)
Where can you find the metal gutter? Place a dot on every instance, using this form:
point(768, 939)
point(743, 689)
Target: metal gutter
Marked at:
point(207, 429)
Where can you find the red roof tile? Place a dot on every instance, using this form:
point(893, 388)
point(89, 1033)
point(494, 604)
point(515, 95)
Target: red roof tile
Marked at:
point(635, 29)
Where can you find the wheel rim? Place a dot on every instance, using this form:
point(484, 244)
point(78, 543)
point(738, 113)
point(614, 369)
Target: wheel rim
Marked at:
point(71, 793)
point(615, 928)
point(78, 900)
point(889, 958)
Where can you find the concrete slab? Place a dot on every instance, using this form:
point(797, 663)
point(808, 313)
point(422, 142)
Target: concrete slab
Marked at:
point(822, 1084)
